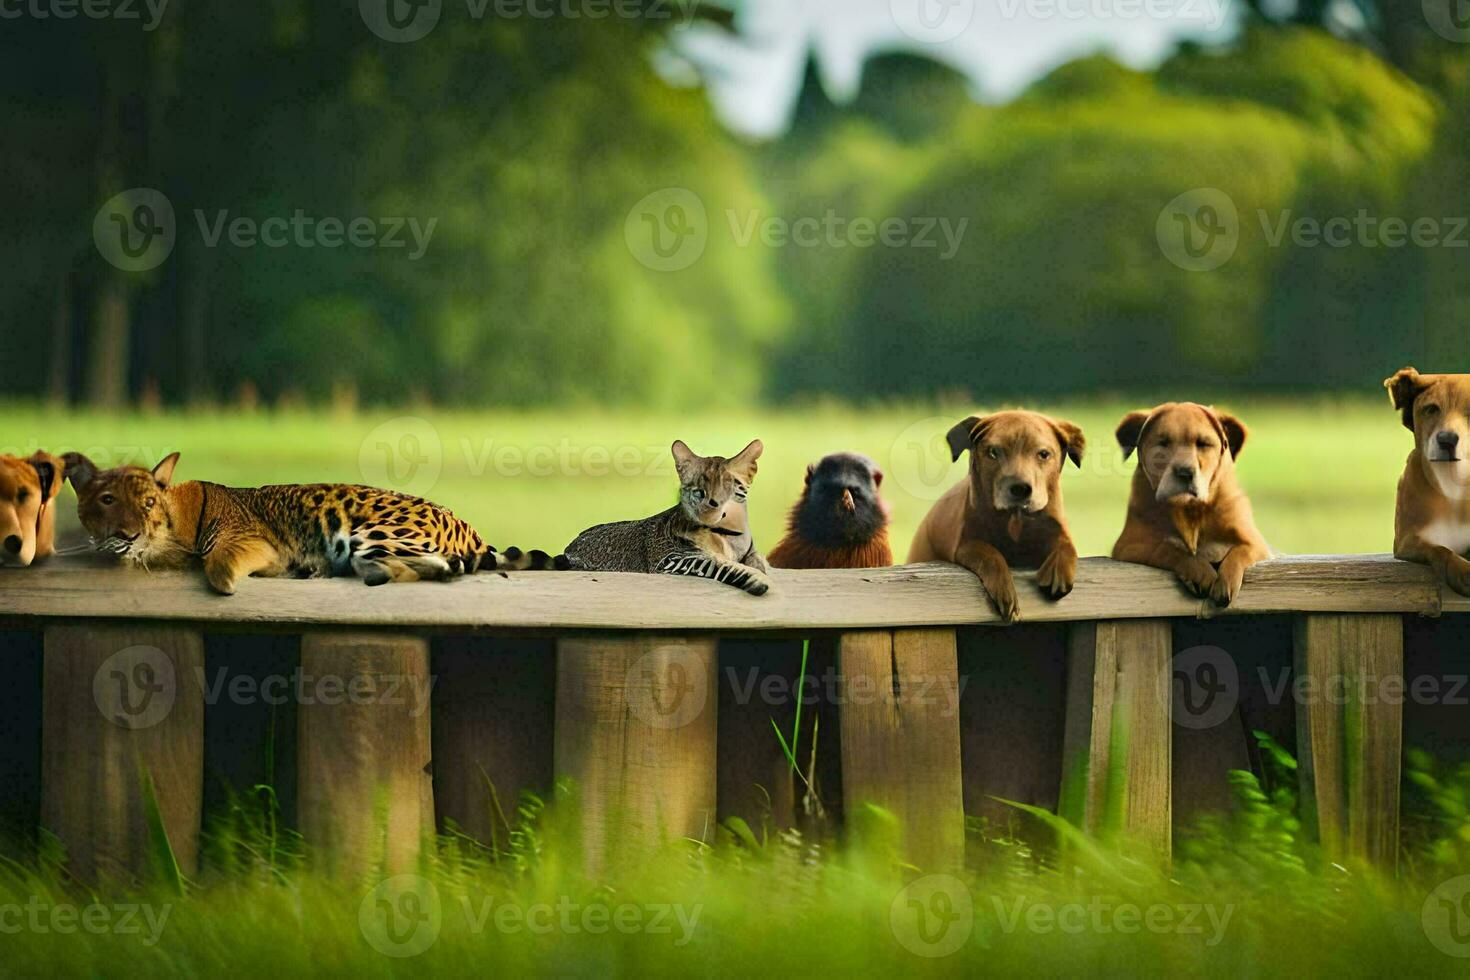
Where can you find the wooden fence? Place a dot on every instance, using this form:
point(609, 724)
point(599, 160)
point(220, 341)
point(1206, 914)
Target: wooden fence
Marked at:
point(1123, 705)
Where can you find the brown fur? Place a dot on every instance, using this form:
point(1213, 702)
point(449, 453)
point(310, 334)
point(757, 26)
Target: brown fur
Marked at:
point(1200, 528)
point(1432, 514)
point(840, 520)
point(977, 524)
point(299, 531)
point(28, 489)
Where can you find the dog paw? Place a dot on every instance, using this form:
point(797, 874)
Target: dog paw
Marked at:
point(1056, 574)
point(1198, 576)
point(1225, 589)
point(1457, 576)
point(1002, 592)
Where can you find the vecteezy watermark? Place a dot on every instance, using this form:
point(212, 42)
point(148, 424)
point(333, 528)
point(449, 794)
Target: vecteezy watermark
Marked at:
point(932, 21)
point(405, 21)
point(1210, 13)
point(930, 691)
point(135, 688)
point(932, 916)
point(1199, 230)
point(1450, 19)
point(1446, 917)
point(65, 919)
point(137, 230)
point(669, 230)
point(412, 691)
point(1206, 687)
point(920, 459)
point(1105, 916)
point(404, 916)
point(668, 686)
point(403, 454)
point(122, 10)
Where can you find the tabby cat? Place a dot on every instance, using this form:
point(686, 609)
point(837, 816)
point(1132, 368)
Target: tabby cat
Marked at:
point(300, 531)
point(706, 534)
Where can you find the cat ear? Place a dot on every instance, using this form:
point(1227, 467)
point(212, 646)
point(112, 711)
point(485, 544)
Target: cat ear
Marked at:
point(743, 464)
point(79, 470)
point(684, 457)
point(163, 473)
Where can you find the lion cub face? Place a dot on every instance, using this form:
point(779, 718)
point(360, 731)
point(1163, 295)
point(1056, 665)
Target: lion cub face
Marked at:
point(123, 509)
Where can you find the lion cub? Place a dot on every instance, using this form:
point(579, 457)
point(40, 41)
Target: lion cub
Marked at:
point(300, 531)
point(706, 534)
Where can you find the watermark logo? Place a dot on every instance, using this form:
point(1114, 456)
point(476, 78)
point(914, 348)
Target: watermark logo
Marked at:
point(933, 916)
point(667, 231)
point(1446, 917)
point(1206, 687)
point(41, 917)
point(932, 21)
point(135, 688)
point(1450, 19)
point(920, 458)
point(667, 688)
point(402, 916)
point(400, 21)
point(403, 454)
point(1199, 230)
point(119, 10)
point(136, 230)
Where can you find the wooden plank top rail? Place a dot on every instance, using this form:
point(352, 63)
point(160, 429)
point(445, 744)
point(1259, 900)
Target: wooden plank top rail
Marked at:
point(92, 587)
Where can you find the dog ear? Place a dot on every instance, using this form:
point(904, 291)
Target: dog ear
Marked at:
point(1403, 388)
point(743, 463)
point(79, 470)
point(1235, 432)
point(163, 473)
point(1130, 431)
point(1074, 443)
point(49, 469)
point(964, 435)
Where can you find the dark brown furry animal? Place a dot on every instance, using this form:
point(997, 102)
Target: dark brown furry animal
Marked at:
point(840, 521)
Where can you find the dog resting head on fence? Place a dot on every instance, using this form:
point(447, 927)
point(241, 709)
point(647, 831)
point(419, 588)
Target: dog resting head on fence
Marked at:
point(28, 489)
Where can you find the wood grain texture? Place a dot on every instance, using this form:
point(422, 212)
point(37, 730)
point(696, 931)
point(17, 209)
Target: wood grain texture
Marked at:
point(121, 704)
point(1350, 732)
point(901, 737)
point(364, 788)
point(493, 704)
point(931, 594)
point(636, 729)
point(1118, 735)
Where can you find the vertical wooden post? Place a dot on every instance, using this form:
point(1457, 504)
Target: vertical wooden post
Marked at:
point(1118, 735)
point(636, 722)
point(1349, 732)
point(364, 785)
point(493, 705)
point(123, 721)
point(901, 737)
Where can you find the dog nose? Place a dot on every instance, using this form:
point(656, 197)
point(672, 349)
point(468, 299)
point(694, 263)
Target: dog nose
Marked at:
point(1185, 473)
point(1020, 490)
point(1447, 440)
point(12, 544)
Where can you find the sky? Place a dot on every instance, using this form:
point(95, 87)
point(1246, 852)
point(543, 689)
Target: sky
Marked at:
point(1001, 45)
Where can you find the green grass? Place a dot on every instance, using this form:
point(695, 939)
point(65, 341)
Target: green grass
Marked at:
point(1247, 895)
point(1321, 472)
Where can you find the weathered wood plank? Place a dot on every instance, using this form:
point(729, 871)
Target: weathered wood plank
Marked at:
point(636, 723)
point(901, 741)
point(122, 709)
point(493, 704)
point(1118, 736)
point(1350, 731)
point(363, 773)
point(906, 595)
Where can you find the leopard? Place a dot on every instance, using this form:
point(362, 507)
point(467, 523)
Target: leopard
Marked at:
point(319, 530)
point(705, 535)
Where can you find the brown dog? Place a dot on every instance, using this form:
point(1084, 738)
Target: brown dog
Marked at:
point(1186, 513)
point(1009, 510)
point(1432, 519)
point(27, 520)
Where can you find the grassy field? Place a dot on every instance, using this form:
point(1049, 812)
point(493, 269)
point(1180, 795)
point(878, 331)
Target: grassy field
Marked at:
point(1321, 472)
